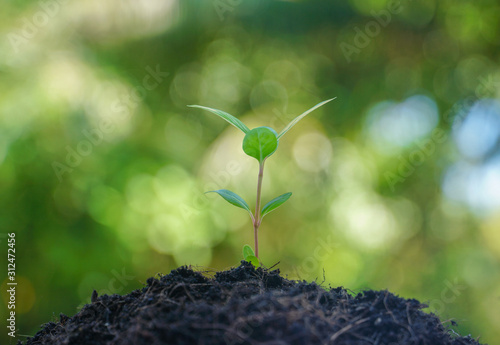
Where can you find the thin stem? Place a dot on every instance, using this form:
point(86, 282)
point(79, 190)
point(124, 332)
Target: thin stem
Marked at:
point(256, 238)
point(257, 219)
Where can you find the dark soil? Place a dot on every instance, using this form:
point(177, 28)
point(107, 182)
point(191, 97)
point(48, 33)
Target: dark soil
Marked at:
point(245, 305)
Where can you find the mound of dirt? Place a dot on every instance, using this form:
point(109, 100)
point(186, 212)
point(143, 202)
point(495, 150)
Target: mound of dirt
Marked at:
point(245, 305)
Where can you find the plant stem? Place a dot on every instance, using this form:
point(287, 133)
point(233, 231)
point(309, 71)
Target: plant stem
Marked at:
point(257, 219)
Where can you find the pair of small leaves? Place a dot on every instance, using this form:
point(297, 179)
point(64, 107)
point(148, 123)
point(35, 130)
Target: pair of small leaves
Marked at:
point(249, 255)
point(260, 142)
point(236, 200)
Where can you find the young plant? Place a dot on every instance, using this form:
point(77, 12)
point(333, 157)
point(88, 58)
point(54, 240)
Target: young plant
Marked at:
point(259, 143)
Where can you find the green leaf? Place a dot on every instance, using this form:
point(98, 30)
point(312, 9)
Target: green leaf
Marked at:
point(247, 251)
point(274, 204)
point(249, 255)
point(228, 117)
point(232, 198)
point(253, 260)
point(260, 143)
point(301, 116)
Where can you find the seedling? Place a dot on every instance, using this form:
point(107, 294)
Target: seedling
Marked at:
point(259, 143)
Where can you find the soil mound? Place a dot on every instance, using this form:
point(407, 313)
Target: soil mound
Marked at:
point(245, 305)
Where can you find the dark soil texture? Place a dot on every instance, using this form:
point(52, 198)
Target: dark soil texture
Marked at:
point(245, 305)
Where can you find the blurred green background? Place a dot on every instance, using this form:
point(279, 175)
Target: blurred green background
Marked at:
point(396, 183)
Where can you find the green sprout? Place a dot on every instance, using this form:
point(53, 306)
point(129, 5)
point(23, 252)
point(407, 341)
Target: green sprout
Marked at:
point(249, 255)
point(259, 143)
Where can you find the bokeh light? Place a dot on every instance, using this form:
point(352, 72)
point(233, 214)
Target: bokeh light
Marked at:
point(396, 183)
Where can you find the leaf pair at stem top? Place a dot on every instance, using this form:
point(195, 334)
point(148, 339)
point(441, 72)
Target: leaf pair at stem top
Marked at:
point(259, 143)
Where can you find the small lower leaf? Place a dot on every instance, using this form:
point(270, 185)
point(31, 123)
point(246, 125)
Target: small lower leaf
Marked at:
point(275, 203)
point(253, 260)
point(247, 251)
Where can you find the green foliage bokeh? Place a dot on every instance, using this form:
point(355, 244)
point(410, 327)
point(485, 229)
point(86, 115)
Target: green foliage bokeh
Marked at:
point(103, 167)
